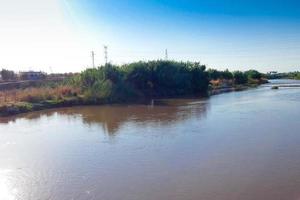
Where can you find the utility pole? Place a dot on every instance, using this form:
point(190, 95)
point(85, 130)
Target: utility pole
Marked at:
point(166, 55)
point(51, 71)
point(93, 58)
point(105, 54)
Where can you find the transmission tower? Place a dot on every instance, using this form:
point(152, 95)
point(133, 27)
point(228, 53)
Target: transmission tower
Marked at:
point(105, 54)
point(93, 59)
point(50, 70)
point(166, 55)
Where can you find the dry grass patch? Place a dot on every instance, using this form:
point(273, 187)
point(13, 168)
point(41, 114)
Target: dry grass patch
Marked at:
point(36, 95)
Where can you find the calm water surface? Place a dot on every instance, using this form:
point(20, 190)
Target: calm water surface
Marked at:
point(234, 146)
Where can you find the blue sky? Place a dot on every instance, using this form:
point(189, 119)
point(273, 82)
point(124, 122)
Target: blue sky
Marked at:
point(220, 33)
point(234, 34)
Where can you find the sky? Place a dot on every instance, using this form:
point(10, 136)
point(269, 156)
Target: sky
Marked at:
point(59, 35)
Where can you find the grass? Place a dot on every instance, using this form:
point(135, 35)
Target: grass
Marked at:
point(31, 99)
point(36, 95)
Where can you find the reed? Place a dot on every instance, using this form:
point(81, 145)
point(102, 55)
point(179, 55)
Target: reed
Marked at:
point(36, 95)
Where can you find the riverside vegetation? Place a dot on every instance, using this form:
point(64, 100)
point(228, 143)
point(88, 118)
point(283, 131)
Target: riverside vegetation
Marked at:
point(289, 75)
point(135, 82)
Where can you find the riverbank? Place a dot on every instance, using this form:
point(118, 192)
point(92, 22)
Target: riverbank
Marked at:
point(127, 84)
point(237, 88)
point(26, 107)
point(11, 109)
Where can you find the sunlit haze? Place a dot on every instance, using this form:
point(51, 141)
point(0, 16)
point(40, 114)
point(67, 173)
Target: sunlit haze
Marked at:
point(59, 35)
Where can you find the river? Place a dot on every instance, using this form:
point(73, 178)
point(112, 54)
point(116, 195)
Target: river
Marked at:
point(234, 146)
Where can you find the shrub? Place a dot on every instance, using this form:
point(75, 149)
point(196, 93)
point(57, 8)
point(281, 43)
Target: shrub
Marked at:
point(240, 78)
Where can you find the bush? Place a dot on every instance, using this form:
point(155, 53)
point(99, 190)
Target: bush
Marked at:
point(145, 79)
point(253, 74)
point(240, 78)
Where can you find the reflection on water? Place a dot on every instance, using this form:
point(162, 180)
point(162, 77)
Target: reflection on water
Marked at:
point(234, 146)
point(6, 191)
point(111, 118)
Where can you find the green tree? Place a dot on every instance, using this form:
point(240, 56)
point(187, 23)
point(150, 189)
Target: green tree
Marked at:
point(213, 74)
point(240, 77)
point(227, 75)
point(146, 79)
point(253, 74)
point(7, 75)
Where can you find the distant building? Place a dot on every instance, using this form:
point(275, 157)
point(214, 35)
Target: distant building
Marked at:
point(273, 73)
point(33, 76)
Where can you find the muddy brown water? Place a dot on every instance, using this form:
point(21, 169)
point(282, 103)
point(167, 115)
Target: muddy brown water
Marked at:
point(234, 146)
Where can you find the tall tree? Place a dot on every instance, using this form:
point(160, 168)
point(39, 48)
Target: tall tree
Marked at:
point(7, 75)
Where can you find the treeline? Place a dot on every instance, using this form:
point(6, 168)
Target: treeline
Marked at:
point(128, 83)
point(238, 77)
point(289, 75)
point(7, 75)
point(143, 80)
point(154, 79)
